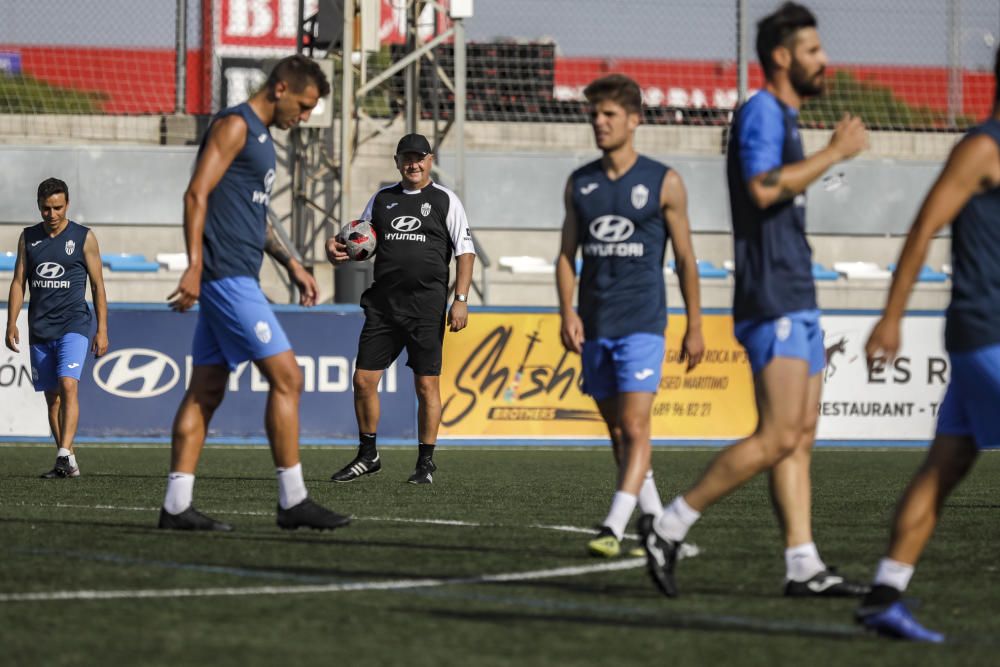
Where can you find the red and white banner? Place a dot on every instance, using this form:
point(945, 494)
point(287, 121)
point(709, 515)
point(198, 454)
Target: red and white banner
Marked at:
point(261, 28)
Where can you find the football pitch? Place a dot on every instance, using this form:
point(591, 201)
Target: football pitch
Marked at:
point(485, 567)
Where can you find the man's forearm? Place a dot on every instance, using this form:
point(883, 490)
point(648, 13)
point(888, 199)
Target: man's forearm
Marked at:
point(463, 273)
point(276, 249)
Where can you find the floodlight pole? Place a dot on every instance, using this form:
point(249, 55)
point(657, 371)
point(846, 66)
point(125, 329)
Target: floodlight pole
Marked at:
point(346, 110)
point(180, 59)
point(742, 54)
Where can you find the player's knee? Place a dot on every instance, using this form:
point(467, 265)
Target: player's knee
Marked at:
point(289, 380)
point(208, 398)
point(428, 389)
point(778, 444)
point(365, 384)
point(634, 430)
point(68, 386)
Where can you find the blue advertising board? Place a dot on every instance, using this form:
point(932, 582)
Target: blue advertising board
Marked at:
point(134, 390)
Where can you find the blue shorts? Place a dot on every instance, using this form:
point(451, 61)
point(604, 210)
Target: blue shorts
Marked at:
point(970, 405)
point(796, 335)
point(235, 324)
point(613, 366)
point(60, 358)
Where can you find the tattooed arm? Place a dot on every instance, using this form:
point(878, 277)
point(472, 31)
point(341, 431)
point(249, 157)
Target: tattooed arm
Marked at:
point(308, 288)
point(783, 183)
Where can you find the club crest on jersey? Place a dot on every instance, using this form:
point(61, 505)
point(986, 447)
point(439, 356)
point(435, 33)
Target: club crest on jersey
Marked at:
point(425, 209)
point(70, 247)
point(640, 195)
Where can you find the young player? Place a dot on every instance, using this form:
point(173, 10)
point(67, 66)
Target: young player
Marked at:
point(54, 259)
point(620, 210)
point(225, 225)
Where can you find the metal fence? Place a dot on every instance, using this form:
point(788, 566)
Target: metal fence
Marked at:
point(913, 65)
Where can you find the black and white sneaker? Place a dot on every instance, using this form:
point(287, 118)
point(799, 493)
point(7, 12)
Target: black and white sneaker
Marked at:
point(308, 514)
point(661, 555)
point(423, 473)
point(62, 470)
point(826, 584)
point(358, 467)
point(190, 519)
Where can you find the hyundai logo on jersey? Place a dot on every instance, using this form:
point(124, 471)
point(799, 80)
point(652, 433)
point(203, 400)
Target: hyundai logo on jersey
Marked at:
point(50, 270)
point(405, 226)
point(406, 223)
point(47, 273)
point(610, 231)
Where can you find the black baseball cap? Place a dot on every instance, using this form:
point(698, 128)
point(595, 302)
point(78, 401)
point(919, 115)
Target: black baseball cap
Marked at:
point(413, 143)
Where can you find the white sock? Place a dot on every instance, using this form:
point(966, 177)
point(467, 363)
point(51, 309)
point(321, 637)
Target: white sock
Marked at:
point(676, 520)
point(802, 562)
point(72, 460)
point(63, 452)
point(893, 573)
point(622, 506)
point(649, 498)
point(291, 486)
point(180, 489)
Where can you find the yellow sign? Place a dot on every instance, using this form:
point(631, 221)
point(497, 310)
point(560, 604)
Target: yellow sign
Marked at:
point(508, 376)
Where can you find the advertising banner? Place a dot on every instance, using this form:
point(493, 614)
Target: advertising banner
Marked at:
point(898, 402)
point(134, 390)
point(22, 411)
point(508, 376)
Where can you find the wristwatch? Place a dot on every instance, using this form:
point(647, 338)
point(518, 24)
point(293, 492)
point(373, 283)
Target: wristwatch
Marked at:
point(462, 298)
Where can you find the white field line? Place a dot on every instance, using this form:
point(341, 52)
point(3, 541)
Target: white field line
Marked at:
point(403, 584)
point(688, 550)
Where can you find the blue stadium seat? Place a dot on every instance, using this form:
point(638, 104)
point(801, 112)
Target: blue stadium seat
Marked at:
point(820, 272)
point(707, 269)
point(926, 275)
point(108, 257)
point(7, 261)
point(129, 262)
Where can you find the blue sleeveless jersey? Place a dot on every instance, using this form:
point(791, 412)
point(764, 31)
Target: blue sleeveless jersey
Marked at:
point(973, 318)
point(623, 236)
point(57, 282)
point(772, 256)
point(236, 221)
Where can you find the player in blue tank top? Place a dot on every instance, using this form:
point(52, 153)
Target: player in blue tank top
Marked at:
point(967, 196)
point(54, 259)
point(227, 233)
point(620, 210)
point(774, 307)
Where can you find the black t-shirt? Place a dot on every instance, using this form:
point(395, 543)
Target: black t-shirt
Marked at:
point(417, 231)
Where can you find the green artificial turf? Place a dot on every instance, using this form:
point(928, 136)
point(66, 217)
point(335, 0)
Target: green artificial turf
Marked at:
point(490, 512)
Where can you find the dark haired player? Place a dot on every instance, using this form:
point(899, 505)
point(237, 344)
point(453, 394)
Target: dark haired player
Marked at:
point(774, 307)
point(54, 259)
point(620, 211)
point(226, 229)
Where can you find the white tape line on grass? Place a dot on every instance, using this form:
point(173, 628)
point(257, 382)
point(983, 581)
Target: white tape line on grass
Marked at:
point(321, 588)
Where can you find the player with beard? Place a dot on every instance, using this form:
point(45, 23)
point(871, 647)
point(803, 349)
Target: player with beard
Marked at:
point(774, 308)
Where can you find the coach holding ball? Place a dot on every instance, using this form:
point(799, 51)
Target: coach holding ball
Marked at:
point(418, 225)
